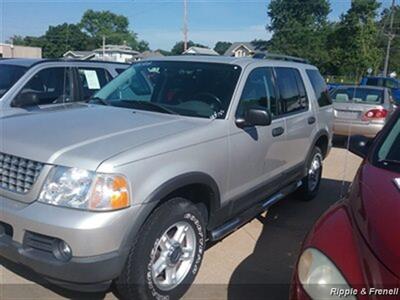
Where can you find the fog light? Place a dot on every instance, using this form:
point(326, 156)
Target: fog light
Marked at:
point(62, 250)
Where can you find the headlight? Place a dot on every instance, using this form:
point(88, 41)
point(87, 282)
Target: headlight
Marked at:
point(319, 276)
point(82, 189)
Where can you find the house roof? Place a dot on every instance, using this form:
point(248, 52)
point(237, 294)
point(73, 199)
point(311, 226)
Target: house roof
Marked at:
point(237, 45)
point(79, 54)
point(117, 48)
point(200, 51)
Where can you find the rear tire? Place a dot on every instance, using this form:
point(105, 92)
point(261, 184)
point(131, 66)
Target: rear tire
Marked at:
point(164, 260)
point(311, 183)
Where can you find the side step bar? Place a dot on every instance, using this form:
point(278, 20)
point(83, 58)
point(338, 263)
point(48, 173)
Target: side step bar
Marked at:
point(249, 214)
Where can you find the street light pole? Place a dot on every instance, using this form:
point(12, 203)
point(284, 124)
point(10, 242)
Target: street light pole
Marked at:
point(390, 39)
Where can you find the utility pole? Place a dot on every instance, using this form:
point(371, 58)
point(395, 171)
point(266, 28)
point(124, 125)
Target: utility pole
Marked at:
point(391, 36)
point(104, 47)
point(185, 25)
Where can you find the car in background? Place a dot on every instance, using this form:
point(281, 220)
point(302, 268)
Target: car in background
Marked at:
point(355, 244)
point(34, 82)
point(361, 109)
point(389, 82)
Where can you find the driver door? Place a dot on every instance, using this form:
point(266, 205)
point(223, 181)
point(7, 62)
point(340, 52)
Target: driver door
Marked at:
point(256, 159)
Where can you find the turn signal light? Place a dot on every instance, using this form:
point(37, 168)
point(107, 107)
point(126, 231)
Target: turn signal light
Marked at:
point(376, 113)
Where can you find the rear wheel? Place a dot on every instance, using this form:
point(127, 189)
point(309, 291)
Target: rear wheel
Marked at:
point(167, 254)
point(311, 183)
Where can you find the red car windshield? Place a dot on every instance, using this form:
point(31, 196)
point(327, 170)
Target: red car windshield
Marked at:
point(388, 152)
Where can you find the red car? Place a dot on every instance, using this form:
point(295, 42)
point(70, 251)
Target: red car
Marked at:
point(353, 250)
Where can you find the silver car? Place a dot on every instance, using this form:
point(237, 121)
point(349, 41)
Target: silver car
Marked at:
point(26, 84)
point(361, 110)
point(174, 152)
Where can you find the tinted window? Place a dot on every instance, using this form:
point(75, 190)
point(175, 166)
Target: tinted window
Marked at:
point(388, 154)
point(93, 79)
point(358, 95)
point(320, 88)
point(291, 90)
point(374, 81)
point(119, 70)
point(52, 85)
point(258, 92)
point(9, 75)
point(186, 88)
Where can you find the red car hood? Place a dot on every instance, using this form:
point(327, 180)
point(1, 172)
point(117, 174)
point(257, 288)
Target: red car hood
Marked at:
point(375, 202)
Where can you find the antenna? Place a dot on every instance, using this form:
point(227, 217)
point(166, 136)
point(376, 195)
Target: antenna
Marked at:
point(185, 25)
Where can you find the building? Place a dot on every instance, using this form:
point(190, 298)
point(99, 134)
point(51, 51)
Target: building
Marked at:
point(200, 51)
point(13, 51)
point(116, 53)
point(146, 55)
point(241, 49)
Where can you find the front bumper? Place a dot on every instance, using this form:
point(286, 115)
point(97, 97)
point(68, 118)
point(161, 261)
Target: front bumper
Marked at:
point(365, 129)
point(100, 241)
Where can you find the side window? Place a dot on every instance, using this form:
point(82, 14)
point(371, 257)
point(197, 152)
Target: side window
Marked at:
point(93, 79)
point(320, 88)
point(258, 92)
point(52, 85)
point(292, 93)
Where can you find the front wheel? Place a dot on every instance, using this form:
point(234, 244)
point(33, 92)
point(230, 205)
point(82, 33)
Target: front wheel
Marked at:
point(311, 183)
point(167, 254)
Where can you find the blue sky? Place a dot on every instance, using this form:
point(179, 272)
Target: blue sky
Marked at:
point(158, 22)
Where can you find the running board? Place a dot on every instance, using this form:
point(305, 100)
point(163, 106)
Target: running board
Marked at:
point(249, 214)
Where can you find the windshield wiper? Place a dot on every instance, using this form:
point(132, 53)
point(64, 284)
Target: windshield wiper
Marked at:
point(98, 99)
point(389, 161)
point(153, 106)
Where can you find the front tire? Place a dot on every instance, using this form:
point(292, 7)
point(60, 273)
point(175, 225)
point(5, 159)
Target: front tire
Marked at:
point(311, 183)
point(167, 254)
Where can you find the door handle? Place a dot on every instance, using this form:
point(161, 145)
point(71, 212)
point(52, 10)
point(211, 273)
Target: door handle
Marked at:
point(311, 120)
point(278, 131)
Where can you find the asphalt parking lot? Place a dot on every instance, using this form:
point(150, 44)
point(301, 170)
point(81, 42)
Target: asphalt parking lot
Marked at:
point(255, 262)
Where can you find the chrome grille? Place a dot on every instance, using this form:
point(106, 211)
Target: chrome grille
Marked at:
point(18, 174)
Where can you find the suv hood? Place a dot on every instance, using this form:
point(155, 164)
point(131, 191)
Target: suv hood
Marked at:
point(375, 201)
point(84, 136)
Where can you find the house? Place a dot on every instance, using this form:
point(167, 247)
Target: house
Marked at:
point(145, 55)
point(14, 51)
point(241, 49)
point(82, 55)
point(200, 51)
point(116, 53)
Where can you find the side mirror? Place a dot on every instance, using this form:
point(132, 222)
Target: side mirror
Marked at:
point(25, 99)
point(359, 145)
point(255, 117)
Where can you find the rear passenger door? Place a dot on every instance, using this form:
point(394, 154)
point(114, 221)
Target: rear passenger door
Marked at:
point(299, 118)
point(91, 80)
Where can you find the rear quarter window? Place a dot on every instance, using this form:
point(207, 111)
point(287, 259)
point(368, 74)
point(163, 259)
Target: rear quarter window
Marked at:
point(320, 88)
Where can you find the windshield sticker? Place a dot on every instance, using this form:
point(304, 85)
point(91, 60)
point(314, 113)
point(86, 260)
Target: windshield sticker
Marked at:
point(92, 79)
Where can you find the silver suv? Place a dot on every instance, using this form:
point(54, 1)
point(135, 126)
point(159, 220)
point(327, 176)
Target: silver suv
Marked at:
point(173, 153)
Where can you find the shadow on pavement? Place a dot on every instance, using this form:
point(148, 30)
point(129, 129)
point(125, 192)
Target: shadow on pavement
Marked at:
point(266, 273)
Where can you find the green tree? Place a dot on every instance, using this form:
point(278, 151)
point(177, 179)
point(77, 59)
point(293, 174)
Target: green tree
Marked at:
point(300, 28)
point(221, 47)
point(178, 48)
point(115, 29)
point(394, 62)
point(354, 43)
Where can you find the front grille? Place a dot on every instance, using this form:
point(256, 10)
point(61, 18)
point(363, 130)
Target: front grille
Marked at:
point(18, 174)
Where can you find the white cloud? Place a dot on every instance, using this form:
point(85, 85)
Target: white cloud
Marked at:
point(166, 39)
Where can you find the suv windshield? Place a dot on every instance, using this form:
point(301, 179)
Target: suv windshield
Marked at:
point(185, 88)
point(9, 74)
point(388, 152)
point(358, 95)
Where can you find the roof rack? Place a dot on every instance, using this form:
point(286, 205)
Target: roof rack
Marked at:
point(265, 55)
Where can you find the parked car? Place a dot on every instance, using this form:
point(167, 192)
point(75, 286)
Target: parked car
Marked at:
point(361, 109)
point(31, 82)
point(173, 153)
point(354, 245)
point(391, 83)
